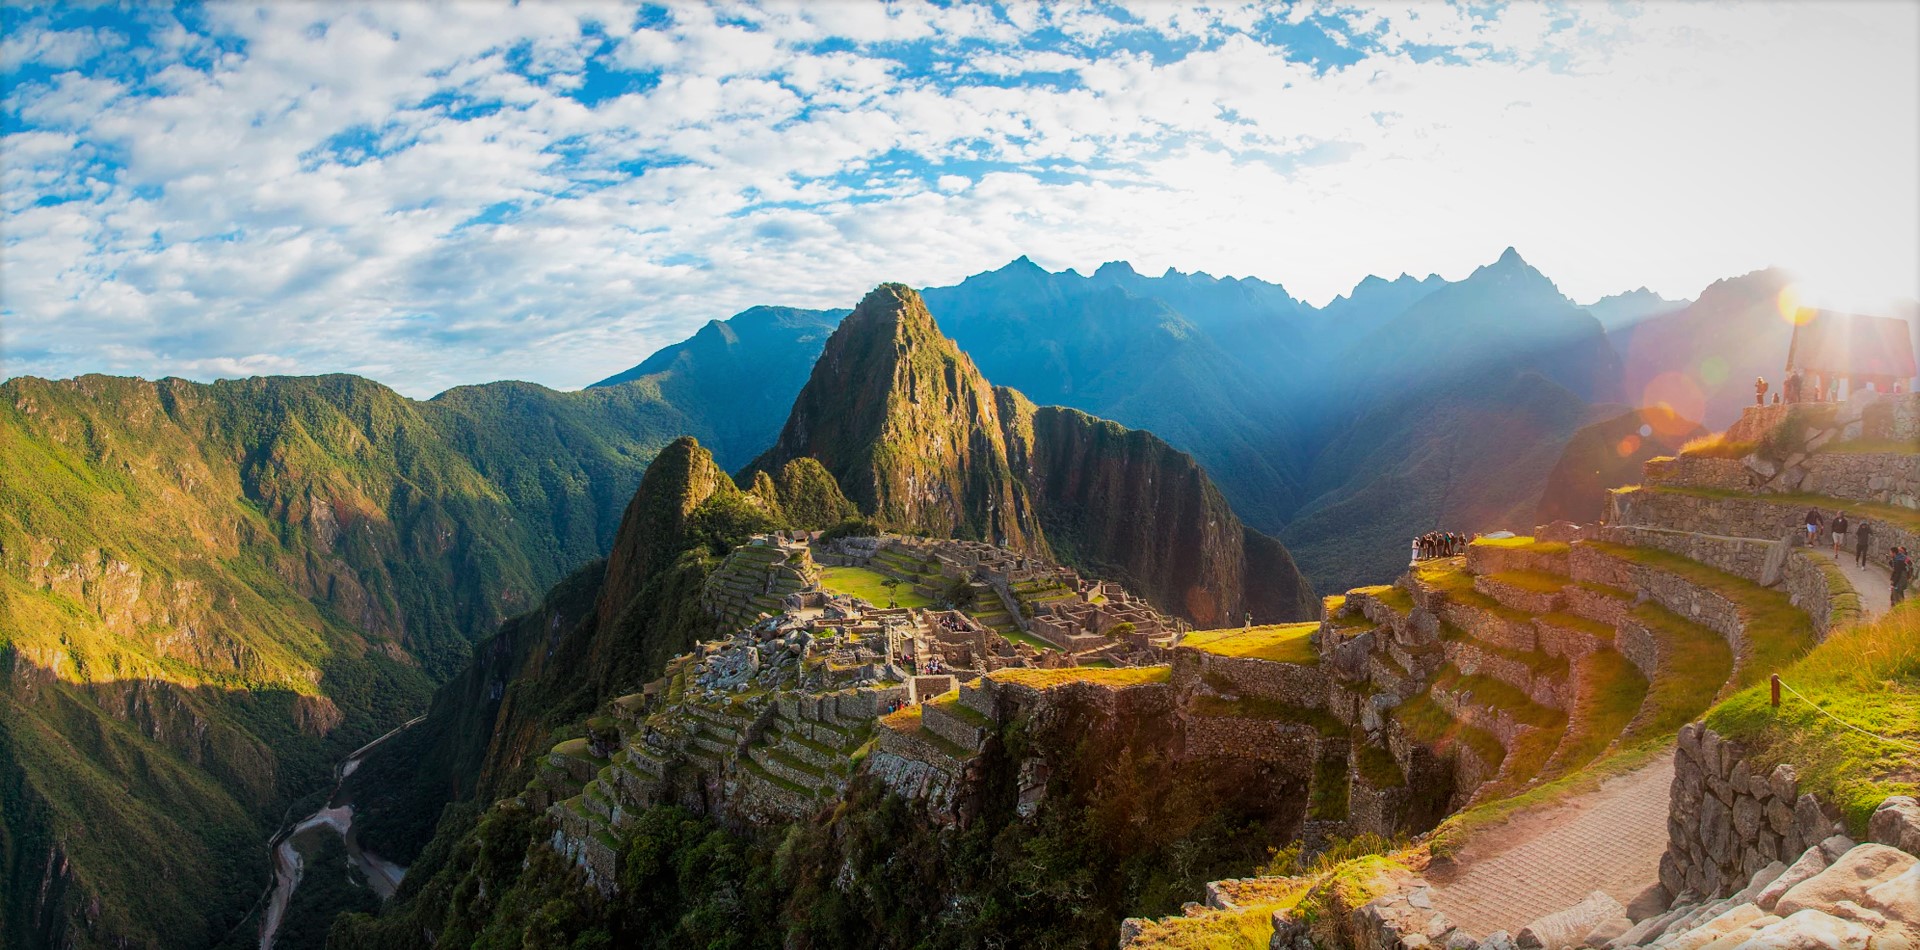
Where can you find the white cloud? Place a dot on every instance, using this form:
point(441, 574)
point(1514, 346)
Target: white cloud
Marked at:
point(329, 200)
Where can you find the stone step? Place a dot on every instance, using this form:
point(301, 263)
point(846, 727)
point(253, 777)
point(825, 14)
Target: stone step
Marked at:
point(785, 766)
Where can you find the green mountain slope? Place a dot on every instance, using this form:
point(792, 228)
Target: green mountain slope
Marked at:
point(209, 593)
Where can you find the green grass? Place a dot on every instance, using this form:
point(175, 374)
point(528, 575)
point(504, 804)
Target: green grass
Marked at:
point(1116, 677)
point(1592, 628)
point(1523, 543)
point(1280, 643)
point(1255, 707)
point(1694, 663)
point(1867, 675)
point(1377, 767)
point(1017, 636)
point(1716, 446)
point(1777, 632)
point(1328, 800)
point(1456, 584)
point(1538, 661)
point(1608, 693)
point(1389, 595)
point(951, 705)
point(1429, 724)
point(1527, 759)
point(1538, 582)
point(1499, 694)
point(870, 586)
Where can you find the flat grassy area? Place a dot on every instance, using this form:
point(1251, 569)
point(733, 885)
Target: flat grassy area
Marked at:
point(1538, 582)
point(1716, 446)
point(1281, 643)
point(1694, 664)
point(1015, 635)
point(1570, 621)
point(1117, 676)
point(1609, 693)
point(870, 586)
point(1427, 723)
point(1456, 583)
point(1377, 767)
point(1868, 676)
point(1777, 631)
point(1253, 707)
point(1523, 543)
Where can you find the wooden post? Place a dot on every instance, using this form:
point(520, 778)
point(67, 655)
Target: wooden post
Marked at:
point(1776, 690)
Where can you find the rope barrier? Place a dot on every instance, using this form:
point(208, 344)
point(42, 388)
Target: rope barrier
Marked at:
point(1817, 708)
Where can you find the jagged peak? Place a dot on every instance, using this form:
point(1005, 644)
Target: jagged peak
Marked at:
point(1113, 270)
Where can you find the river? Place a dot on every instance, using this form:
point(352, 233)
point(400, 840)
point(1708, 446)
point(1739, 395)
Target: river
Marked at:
point(337, 816)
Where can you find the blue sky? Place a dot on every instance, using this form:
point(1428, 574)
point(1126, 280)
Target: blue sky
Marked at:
point(431, 195)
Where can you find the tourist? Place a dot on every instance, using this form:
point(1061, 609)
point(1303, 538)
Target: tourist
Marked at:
point(1902, 574)
point(1413, 554)
point(1862, 539)
point(1760, 390)
point(1814, 524)
point(1776, 399)
point(1839, 532)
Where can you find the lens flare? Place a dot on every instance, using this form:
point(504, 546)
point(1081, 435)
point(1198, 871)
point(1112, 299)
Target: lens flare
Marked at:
point(1628, 445)
point(1791, 306)
point(1680, 399)
point(1713, 372)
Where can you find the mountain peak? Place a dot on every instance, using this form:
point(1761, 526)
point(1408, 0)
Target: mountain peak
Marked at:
point(1510, 256)
point(1114, 270)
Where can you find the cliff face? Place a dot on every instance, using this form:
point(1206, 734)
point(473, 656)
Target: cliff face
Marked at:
point(918, 438)
point(906, 424)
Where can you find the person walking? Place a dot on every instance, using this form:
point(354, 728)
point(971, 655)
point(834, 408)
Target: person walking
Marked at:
point(1902, 575)
point(1839, 532)
point(1862, 540)
point(1814, 524)
point(1760, 390)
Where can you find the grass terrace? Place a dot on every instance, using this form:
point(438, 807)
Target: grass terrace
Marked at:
point(1453, 581)
point(1538, 661)
point(950, 703)
point(1388, 594)
point(1609, 693)
point(1330, 792)
point(1523, 543)
point(870, 586)
point(1716, 446)
point(1694, 664)
point(1538, 582)
point(1569, 621)
point(1280, 643)
point(1117, 677)
point(1867, 675)
point(1871, 510)
point(1777, 631)
point(1499, 694)
point(1426, 722)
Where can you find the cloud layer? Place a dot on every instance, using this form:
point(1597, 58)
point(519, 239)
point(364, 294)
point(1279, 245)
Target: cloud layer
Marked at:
point(432, 195)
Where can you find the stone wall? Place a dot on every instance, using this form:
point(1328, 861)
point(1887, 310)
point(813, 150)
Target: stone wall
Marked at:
point(1247, 677)
point(1699, 472)
point(1731, 815)
point(1683, 597)
point(1747, 517)
point(1767, 563)
point(1288, 744)
point(1486, 558)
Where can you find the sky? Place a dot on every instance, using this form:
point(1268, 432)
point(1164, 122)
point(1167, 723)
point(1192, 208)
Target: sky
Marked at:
point(432, 195)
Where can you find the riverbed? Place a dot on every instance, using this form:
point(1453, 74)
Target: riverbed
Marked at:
point(336, 817)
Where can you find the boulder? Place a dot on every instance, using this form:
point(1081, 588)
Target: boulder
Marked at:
point(1605, 931)
point(1733, 920)
point(1896, 824)
point(1569, 928)
point(1847, 879)
point(1812, 862)
point(1898, 897)
point(1814, 823)
point(1810, 930)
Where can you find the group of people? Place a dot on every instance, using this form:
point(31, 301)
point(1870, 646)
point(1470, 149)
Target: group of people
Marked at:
point(1439, 544)
point(1796, 389)
point(1899, 561)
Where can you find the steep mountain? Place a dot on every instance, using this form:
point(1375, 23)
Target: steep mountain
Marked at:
point(1702, 359)
point(1457, 410)
point(736, 378)
point(210, 592)
point(1606, 455)
point(1623, 310)
point(611, 624)
point(912, 431)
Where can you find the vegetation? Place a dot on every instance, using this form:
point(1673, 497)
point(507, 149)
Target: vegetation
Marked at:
point(1330, 791)
point(1867, 676)
point(871, 586)
point(1776, 631)
point(1498, 694)
point(1523, 543)
point(1609, 693)
point(1389, 595)
point(1869, 510)
point(1116, 677)
point(1717, 446)
point(1539, 661)
point(1538, 582)
point(1281, 643)
point(1694, 664)
point(1427, 723)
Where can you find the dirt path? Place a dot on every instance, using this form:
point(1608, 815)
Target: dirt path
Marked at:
point(1549, 858)
point(1872, 582)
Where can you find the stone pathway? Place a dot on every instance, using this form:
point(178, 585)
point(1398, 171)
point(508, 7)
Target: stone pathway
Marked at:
point(1550, 858)
point(1872, 582)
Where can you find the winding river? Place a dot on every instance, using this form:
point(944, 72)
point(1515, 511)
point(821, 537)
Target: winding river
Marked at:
point(337, 815)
